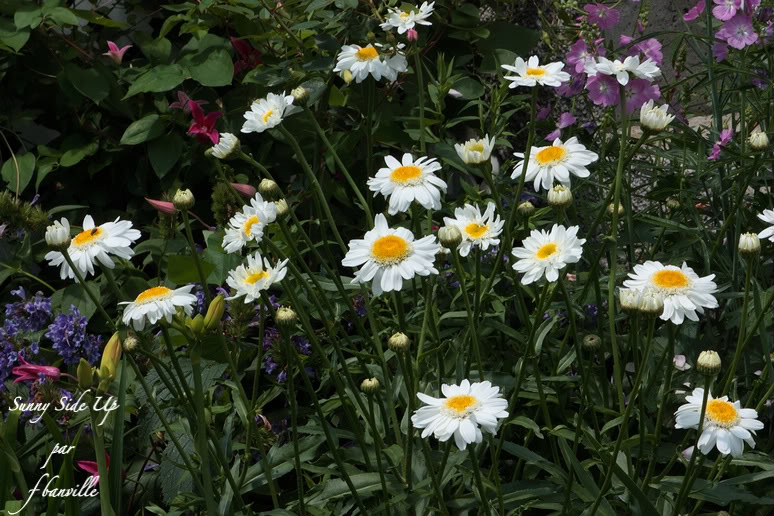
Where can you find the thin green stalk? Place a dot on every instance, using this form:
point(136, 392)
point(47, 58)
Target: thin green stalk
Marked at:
point(195, 255)
point(290, 383)
point(470, 312)
point(18, 270)
point(477, 476)
point(689, 478)
point(113, 285)
point(256, 379)
point(421, 96)
point(201, 432)
point(378, 450)
point(406, 365)
point(371, 100)
point(740, 341)
point(99, 449)
point(88, 291)
point(436, 481)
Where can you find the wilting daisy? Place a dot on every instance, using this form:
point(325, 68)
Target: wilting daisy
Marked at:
point(156, 303)
point(389, 256)
point(684, 292)
point(476, 228)
point(411, 180)
point(248, 224)
point(257, 276)
point(726, 425)
point(475, 151)
point(463, 412)
point(361, 61)
point(768, 217)
point(556, 161)
point(544, 253)
point(95, 243)
point(404, 21)
point(532, 73)
point(267, 113)
point(227, 145)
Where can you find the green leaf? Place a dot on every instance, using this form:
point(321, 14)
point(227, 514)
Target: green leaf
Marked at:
point(543, 331)
point(62, 16)
point(470, 88)
point(504, 35)
point(74, 156)
point(156, 50)
point(364, 484)
point(182, 269)
point(158, 79)
point(528, 424)
point(93, 17)
point(27, 16)
point(11, 36)
point(73, 295)
point(144, 129)
point(592, 490)
point(164, 153)
point(24, 165)
point(216, 70)
point(45, 166)
point(89, 83)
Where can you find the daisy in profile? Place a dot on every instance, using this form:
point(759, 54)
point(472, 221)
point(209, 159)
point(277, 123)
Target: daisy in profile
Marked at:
point(648, 69)
point(555, 162)
point(156, 303)
point(267, 113)
point(257, 276)
point(95, 244)
point(408, 181)
point(531, 73)
point(477, 229)
point(404, 21)
point(362, 61)
point(227, 146)
point(684, 292)
point(475, 151)
point(463, 412)
point(726, 425)
point(543, 253)
point(768, 217)
point(389, 256)
point(655, 118)
point(248, 224)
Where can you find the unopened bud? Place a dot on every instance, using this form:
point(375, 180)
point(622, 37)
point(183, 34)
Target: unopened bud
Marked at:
point(749, 244)
point(708, 363)
point(131, 342)
point(559, 196)
point(214, 313)
point(165, 207)
point(398, 342)
point(610, 209)
point(759, 140)
point(370, 385)
point(592, 342)
point(347, 76)
point(282, 208)
point(196, 324)
point(244, 190)
point(58, 235)
point(630, 300)
point(526, 209)
point(183, 199)
point(268, 188)
point(84, 374)
point(300, 96)
point(450, 236)
point(651, 303)
point(111, 355)
point(673, 204)
point(286, 316)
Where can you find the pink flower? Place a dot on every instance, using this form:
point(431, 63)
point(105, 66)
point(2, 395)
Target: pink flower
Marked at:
point(638, 92)
point(90, 466)
point(602, 15)
point(565, 120)
point(623, 39)
point(162, 206)
point(412, 35)
point(681, 364)
point(651, 49)
point(203, 127)
point(184, 101)
point(578, 55)
point(725, 9)
point(249, 57)
point(543, 112)
point(695, 11)
point(115, 53)
point(246, 190)
point(738, 32)
point(725, 139)
point(603, 90)
point(27, 371)
point(719, 51)
point(571, 87)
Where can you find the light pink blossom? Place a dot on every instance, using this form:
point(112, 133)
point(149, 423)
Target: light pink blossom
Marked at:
point(115, 53)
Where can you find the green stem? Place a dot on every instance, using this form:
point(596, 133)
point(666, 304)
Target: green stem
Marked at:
point(88, 291)
point(289, 350)
point(470, 312)
point(740, 341)
point(201, 432)
point(31, 276)
point(99, 449)
point(378, 449)
point(195, 255)
point(687, 482)
point(421, 97)
point(477, 476)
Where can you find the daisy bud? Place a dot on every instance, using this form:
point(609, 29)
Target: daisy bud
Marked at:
point(559, 196)
point(630, 300)
point(110, 357)
point(398, 342)
point(214, 313)
point(245, 190)
point(673, 204)
point(654, 118)
point(300, 96)
point(708, 363)
point(610, 209)
point(268, 188)
point(183, 199)
point(370, 385)
point(592, 342)
point(84, 374)
point(130, 342)
point(759, 140)
point(749, 244)
point(450, 236)
point(651, 303)
point(58, 235)
point(347, 76)
point(526, 209)
point(285, 317)
point(165, 207)
point(227, 147)
point(282, 208)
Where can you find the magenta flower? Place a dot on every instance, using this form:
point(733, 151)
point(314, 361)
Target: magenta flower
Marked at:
point(412, 35)
point(623, 39)
point(248, 57)
point(162, 206)
point(603, 90)
point(571, 87)
point(578, 55)
point(725, 139)
point(566, 119)
point(602, 15)
point(738, 32)
point(90, 466)
point(543, 112)
point(27, 371)
point(203, 127)
point(651, 49)
point(695, 11)
point(638, 92)
point(719, 51)
point(115, 53)
point(184, 101)
point(725, 9)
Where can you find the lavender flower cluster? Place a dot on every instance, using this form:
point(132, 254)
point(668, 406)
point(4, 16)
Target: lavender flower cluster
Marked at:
point(68, 333)
point(28, 315)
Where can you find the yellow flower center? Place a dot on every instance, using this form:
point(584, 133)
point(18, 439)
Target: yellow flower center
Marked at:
point(460, 403)
point(390, 249)
point(403, 16)
point(536, 72)
point(254, 278)
point(550, 155)
point(546, 250)
point(367, 54)
point(405, 174)
point(671, 279)
point(152, 294)
point(722, 413)
point(476, 230)
point(476, 147)
point(247, 227)
point(267, 115)
point(87, 237)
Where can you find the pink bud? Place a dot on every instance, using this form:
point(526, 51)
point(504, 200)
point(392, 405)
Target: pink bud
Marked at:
point(412, 35)
point(246, 190)
point(162, 206)
point(115, 53)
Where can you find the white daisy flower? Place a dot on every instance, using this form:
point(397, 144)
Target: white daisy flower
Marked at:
point(58, 234)
point(463, 412)
point(544, 253)
point(645, 70)
point(532, 73)
point(156, 303)
point(684, 292)
point(476, 228)
point(404, 21)
point(362, 61)
point(648, 69)
point(409, 181)
point(768, 217)
point(248, 224)
point(227, 145)
point(267, 113)
point(257, 276)
point(557, 162)
point(655, 118)
point(475, 151)
point(389, 256)
point(95, 243)
point(726, 425)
